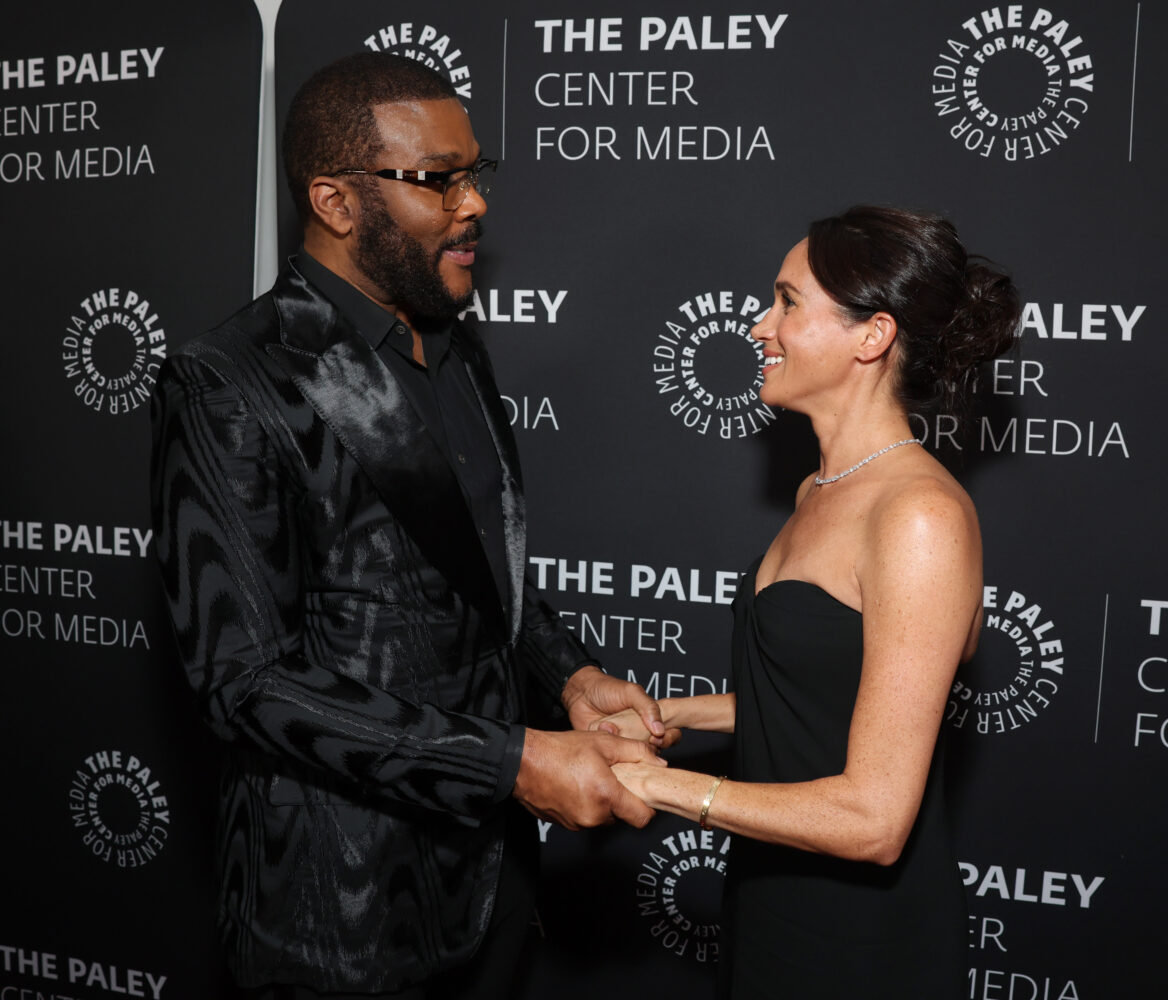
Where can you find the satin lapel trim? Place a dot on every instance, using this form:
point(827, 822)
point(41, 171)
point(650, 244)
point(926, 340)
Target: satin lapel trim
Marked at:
point(353, 392)
point(514, 504)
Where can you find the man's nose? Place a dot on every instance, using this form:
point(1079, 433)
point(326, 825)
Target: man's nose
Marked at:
point(473, 205)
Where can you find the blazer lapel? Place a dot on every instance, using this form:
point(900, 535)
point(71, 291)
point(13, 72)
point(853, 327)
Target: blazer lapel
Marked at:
point(355, 394)
point(478, 367)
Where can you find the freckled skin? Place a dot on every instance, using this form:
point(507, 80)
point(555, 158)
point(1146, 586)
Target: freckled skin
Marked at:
point(897, 540)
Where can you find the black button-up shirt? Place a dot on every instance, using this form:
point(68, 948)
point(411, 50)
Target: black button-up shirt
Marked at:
point(441, 392)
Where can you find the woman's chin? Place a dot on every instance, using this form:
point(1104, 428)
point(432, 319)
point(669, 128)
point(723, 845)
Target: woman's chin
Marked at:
point(773, 398)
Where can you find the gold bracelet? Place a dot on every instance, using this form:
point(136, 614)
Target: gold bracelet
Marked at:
point(708, 801)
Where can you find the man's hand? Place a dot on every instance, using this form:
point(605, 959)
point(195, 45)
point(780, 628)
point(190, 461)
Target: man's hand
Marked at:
point(591, 694)
point(567, 778)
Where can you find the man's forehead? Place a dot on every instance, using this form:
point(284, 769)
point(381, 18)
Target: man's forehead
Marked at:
point(432, 132)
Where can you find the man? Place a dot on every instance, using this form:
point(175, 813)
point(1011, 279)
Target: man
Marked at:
point(340, 525)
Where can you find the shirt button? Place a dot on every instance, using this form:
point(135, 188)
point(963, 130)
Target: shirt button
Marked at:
point(483, 532)
point(462, 459)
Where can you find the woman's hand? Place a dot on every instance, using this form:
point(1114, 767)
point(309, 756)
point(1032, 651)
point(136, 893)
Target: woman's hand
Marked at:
point(631, 726)
point(633, 777)
point(591, 695)
point(675, 790)
point(706, 712)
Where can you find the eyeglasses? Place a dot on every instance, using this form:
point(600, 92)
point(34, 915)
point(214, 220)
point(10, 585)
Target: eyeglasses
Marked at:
point(456, 183)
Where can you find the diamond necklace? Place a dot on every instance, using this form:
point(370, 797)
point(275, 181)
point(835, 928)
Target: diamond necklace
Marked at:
point(859, 465)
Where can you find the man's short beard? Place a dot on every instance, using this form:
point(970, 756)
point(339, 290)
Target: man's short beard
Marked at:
point(397, 265)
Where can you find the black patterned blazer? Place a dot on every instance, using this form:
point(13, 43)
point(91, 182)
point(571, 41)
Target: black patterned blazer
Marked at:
point(338, 619)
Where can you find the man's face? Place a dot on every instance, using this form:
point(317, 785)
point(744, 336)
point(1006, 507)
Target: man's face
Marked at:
point(415, 252)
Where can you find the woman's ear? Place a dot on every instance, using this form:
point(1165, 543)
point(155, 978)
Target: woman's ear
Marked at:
point(878, 336)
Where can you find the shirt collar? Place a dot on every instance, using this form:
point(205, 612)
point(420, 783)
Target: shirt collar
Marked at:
point(370, 320)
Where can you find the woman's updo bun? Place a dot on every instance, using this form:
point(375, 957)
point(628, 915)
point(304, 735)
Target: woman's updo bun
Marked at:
point(954, 312)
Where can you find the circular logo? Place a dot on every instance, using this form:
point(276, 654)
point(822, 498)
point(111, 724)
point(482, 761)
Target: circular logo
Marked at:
point(119, 809)
point(112, 349)
point(708, 368)
point(1016, 673)
point(428, 45)
point(1013, 84)
point(678, 889)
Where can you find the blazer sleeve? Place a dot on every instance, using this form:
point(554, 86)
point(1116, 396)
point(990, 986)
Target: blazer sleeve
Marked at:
point(224, 512)
point(547, 647)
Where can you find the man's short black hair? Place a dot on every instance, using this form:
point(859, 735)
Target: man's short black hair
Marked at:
point(330, 123)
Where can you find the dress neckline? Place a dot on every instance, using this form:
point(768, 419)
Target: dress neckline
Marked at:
point(790, 580)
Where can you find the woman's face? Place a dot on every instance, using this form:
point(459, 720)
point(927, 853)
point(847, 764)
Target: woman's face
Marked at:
point(804, 336)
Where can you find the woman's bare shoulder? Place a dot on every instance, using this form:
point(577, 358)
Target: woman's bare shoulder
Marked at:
point(804, 489)
point(923, 509)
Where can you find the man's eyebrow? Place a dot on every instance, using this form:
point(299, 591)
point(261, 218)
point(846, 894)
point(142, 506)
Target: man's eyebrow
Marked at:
point(445, 159)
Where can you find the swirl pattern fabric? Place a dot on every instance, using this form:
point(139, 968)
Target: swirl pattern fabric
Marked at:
point(338, 621)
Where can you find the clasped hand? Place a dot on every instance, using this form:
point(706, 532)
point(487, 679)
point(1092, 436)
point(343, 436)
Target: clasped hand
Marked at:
point(633, 775)
point(567, 777)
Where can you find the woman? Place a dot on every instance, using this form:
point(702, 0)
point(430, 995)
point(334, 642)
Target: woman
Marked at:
point(849, 629)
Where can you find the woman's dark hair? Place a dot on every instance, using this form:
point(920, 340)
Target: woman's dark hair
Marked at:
point(954, 311)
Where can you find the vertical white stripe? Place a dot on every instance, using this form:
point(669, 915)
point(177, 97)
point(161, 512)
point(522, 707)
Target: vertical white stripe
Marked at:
point(1102, 657)
point(503, 151)
point(1135, 56)
point(266, 263)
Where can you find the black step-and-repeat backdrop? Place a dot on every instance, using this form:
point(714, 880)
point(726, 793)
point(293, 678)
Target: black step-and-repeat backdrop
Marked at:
point(128, 146)
point(657, 162)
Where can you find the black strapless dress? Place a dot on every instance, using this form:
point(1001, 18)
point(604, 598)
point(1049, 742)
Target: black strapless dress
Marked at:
point(797, 925)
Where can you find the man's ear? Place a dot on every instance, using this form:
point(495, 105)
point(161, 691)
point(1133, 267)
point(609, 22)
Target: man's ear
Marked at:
point(334, 204)
point(879, 333)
